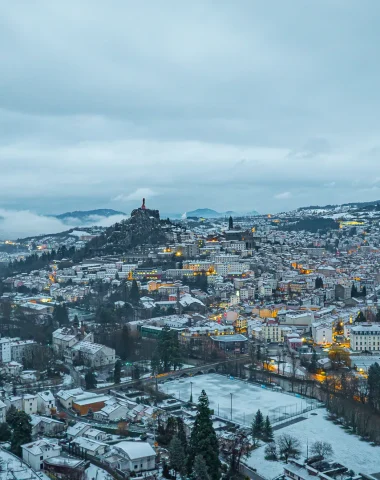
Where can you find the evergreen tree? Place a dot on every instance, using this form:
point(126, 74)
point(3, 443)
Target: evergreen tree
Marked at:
point(378, 315)
point(258, 425)
point(90, 379)
point(318, 282)
point(364, 291)
point(267, 430)
point(134, 294)
point(166, 434)
point(117, 372)
point(230, 223)
point(200, 469)
point(136, 372)
point(168, 352)
point(60, 315)
point(203, 440)
point(20, 422)
point(177, 455)
point(125, 342)
point(313, 365)
point(354, 291)
point(201, 281)
point(360, 317)
point(181, 434)
point(374, 386)
point(11, 415)
point(5, 432)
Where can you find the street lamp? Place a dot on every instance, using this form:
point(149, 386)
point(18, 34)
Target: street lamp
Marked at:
point(231, 406)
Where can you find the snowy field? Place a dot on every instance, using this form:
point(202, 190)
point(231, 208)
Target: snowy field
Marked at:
point(246, 398)
point(349, 450)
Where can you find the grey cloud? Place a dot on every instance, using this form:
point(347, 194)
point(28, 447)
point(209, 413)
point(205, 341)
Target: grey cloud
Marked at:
point(24, 223)
point(201, 104)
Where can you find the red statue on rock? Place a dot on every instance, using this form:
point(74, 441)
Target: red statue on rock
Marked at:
point(143, 205)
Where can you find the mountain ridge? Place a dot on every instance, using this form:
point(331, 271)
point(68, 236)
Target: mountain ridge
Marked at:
point(210, 213)
point(80, 214)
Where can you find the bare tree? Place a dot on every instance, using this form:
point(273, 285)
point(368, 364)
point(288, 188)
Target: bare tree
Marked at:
point(323, 449)
point(293, 371)
point(271, 451)
point(279, 360)
point(288, 446)
point(241, 447)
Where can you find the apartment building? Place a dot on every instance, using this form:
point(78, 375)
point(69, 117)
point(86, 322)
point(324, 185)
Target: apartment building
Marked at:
point(271, 331)
point(365, 337)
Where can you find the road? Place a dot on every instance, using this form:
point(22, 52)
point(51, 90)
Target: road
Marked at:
point(164, 376)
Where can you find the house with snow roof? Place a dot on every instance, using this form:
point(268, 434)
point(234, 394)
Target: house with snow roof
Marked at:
point(135, 456)
point(35, 453)
point(45, 402)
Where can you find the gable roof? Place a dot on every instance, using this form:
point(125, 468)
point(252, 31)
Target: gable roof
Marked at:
point(136, 450)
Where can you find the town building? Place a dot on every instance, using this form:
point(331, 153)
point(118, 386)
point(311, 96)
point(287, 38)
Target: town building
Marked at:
point(91, 354)
point(322, 333)
point(36, 452)
point(365, 337)
point(135, 456)
point(45, 402)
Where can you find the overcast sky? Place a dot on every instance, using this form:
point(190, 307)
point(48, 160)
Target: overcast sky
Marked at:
point(238, 105)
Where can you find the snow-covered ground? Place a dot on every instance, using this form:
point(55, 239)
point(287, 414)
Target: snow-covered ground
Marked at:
point(349, 450)
point(13, 467)
point(67, 380)
point(246, 398)
point(96, 473)
point(78, 233)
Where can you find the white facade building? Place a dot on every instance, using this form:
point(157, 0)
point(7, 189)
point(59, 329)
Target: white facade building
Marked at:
point(66, 397)
point(35, 453)
point(30, 404)
point(265, 290)
point(93, 354)
point(3, 411)
point(21, 349)
point(365, 337)
point(5, 345)
point(322, 333)
point(112, 412)
point(271, 331)
point(45, 402)
point(139, 456)
point(63, 338)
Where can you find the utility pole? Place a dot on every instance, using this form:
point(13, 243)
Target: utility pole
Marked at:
point(231, 406)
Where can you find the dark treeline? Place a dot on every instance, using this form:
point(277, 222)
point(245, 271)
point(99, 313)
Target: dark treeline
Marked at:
point(355, 401)
point(311, 224)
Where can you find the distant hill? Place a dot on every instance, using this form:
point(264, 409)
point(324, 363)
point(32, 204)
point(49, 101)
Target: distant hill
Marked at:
point(143, 227)
point(209, 213)
point(373, 203)
point(85, 214)
point(204, 212)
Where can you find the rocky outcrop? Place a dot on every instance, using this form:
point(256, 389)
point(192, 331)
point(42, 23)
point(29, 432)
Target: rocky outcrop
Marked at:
point(144, 227)
point(145, 213)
